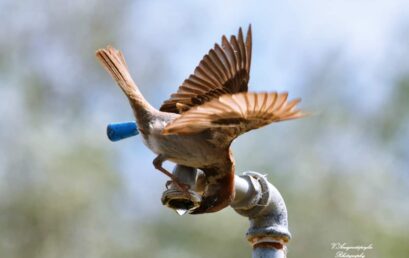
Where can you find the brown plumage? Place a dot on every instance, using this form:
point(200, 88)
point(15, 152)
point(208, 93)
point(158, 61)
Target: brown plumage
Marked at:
point(196, 126)
point(224, 70)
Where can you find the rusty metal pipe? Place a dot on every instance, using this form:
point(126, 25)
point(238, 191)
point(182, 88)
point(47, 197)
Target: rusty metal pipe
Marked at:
point(263, 204)
point(255, 198)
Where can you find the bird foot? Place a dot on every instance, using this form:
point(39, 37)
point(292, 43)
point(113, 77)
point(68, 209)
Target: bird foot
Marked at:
point(180, 186)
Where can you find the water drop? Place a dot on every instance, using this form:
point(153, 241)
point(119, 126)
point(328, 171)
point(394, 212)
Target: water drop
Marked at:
point(181, 212)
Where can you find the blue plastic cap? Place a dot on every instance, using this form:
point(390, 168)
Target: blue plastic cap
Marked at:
point(120, 131)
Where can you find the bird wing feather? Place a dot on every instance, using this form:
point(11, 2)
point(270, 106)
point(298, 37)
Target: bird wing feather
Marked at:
point(235, 114)
point(224, 70)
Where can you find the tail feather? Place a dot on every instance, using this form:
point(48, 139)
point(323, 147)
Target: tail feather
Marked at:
point(114, 63)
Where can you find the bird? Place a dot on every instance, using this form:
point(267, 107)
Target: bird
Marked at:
point(196, 125)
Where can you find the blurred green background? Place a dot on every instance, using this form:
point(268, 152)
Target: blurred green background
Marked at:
point(66, 191)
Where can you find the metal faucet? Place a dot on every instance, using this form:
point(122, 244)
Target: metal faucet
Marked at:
point(255, 198)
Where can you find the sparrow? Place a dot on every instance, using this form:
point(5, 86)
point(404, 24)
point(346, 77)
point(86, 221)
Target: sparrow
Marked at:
point(196, 125)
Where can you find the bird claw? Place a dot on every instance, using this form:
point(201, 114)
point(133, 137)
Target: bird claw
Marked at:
point(180, 186)
point(168, 184)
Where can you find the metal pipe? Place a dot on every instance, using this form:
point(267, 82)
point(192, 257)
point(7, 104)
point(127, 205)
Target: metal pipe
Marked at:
point(180, 201)
point(267, 213)
point(255, 198)
point(268, 252)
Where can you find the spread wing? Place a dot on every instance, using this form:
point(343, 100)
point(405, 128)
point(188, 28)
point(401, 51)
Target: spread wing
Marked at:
point(224, 70)
point(236, 114)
